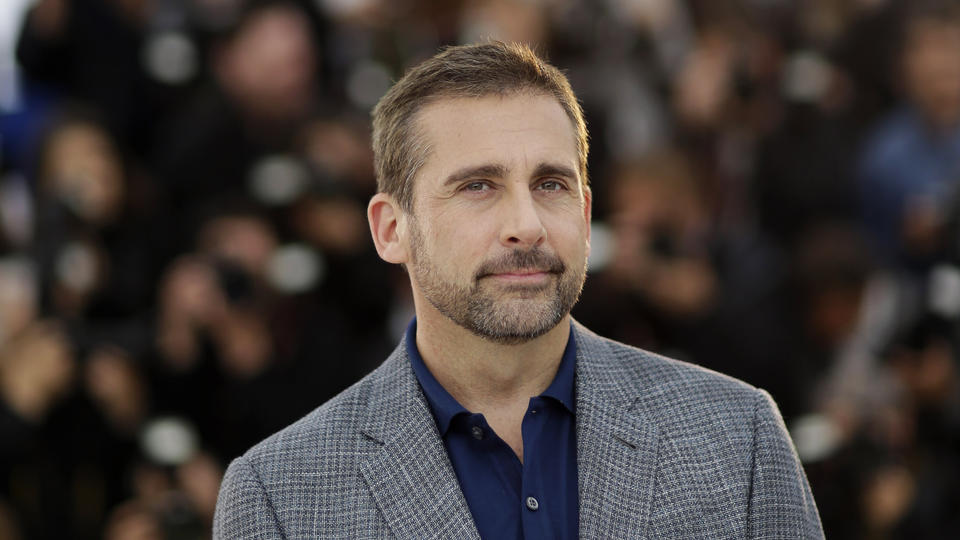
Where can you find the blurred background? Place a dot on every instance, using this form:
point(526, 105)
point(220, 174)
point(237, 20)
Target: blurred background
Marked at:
point(185, 265)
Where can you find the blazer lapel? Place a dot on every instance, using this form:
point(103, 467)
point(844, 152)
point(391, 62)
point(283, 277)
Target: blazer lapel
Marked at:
point(411, 477)
point(616, 445)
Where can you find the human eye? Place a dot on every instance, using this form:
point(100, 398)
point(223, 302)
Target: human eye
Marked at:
point(552, 185)
point(476, 186)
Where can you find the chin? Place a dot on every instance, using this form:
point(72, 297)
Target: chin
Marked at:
point(516, 326)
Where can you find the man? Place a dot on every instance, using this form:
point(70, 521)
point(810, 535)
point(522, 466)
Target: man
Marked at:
point(498, 416)
point(909, 169)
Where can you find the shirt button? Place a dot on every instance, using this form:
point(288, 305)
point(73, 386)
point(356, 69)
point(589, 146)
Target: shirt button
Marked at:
point(532, 503)
point(477, 432)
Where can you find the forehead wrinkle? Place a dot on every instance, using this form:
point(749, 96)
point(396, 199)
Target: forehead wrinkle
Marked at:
point(428, 141)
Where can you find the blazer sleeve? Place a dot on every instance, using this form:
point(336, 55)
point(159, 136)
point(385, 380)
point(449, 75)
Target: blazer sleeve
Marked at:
point(244, 509)
point(781, 504)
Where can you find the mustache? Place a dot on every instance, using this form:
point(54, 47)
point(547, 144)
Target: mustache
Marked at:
point(519, 260)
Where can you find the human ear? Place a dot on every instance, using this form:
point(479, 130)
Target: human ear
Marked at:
point(385, 219)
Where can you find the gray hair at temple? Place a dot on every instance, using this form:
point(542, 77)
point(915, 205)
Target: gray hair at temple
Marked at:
point(466, 71)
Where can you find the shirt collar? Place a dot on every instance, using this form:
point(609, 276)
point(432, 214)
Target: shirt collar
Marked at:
point(561, 389)
point(445, 407)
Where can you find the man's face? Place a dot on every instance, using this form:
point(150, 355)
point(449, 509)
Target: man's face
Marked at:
point(932, 70)
point(499, 234)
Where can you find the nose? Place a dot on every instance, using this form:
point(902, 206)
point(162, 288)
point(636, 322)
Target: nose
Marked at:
point(521, 224)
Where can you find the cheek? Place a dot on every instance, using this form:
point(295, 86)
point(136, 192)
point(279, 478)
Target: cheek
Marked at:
point(463, 230)
point(463, 252)
point(452, 249)
point(568, 231)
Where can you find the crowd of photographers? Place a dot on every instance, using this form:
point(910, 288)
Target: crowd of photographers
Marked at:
point(185, 265)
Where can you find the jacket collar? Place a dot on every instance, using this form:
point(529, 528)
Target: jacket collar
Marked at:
point(416, 489)
point(617, 440)
point(410, 477)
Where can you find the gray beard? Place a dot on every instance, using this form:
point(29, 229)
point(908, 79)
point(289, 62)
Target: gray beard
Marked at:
point(511, 315)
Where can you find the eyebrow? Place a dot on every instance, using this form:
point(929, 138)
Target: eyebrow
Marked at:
point(550, 169)
point(499, 171)
point(482, 171)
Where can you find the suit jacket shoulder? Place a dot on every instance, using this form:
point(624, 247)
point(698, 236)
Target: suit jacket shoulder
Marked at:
point(680, 397)
point(700, 454)
point(369, 463)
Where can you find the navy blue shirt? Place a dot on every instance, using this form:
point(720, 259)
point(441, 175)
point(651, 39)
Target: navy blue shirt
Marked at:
point(509, 499)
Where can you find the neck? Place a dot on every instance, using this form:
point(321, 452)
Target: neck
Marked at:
point(479, 372)
point(490, 378)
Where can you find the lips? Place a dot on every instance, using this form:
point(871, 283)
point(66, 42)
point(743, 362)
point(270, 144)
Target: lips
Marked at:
point(520, 264)
point(523, 279)
point(522, 272)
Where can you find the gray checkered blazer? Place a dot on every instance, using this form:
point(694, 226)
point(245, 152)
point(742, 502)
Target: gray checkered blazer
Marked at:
point(664, 450)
